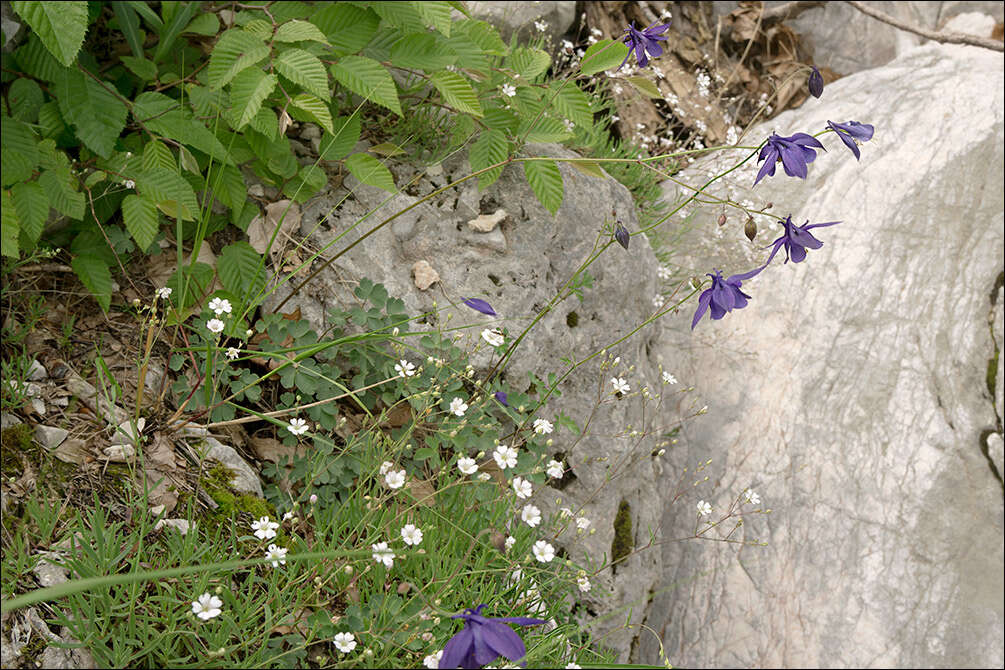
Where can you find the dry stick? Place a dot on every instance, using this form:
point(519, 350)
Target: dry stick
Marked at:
point(948, 38)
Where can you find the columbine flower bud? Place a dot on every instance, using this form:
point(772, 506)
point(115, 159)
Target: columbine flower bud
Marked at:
point(722, 219)
point(621, 235)
point(816, 83)
point(750, 229)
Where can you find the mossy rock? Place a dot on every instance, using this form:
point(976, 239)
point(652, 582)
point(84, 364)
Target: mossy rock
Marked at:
point(623, 543)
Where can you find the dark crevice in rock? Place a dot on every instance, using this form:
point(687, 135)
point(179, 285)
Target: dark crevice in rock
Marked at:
point(567, 478)
point(983, 444)
point(992, 381)
point(572, 320)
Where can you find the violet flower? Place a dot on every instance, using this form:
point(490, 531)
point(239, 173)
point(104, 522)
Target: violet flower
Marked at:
point(796, 239)
point(480, 305)
point(502, 398)
point(816, 83)
point(851, 133)
point(642, 41)
point(483, 639)
point(794, 152)
point(621, 235)
point(724, 295)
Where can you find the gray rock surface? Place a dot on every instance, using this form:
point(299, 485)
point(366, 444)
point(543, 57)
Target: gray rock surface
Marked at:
point(50, 437)
point(535, 254)
point(851, 393)
point(245, 478)
point(519, 17)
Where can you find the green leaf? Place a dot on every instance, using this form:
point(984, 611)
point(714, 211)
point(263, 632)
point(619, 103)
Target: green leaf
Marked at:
point(546, 182)
point(573, 104)
point(349, 28)
point(467, 54)
point(645, 87)
point(501, 119)
point(143, 68)
point(259, 28)
point(370, 171)
point(241, 270)
point(95, 275)
point(169, 190)
point(302, 68)
point(61, 196)
point(129, 23)
point(315, 108)
point(148, 14)
point(183, 13)
point(306, 184)
point(337, 145)
point(546, 129)
point(457, 92)
point(60, 25)
point(369, 79)
point(590, 168)
point(528, 62)
point(484, 34)
point(229, 188)
point(235, 51)
point(403, 15)
point(299, 31)
point(155, 154)
point(422, 51)
point(49, 121)
point(9, 227)
point(491, 148)
point(188, 161)
point(25, 97)
point(247, 92)
point(266, 123)
point(97, 113)
point(598, 57)
point(32, 208)
point(165, 115)
point(204, 101)
point(140, 216)
point(18, 151)
point(436, 14)
point(203, 24)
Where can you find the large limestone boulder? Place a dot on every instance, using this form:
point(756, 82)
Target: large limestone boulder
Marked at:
point(518, 18)
point(852, 393)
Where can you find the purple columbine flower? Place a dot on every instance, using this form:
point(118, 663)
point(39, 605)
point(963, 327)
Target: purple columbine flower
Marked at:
point(642, 41)
point(621, 235)
point(724, 295)
point(794, 152)
point(483, 639)
point(480, 305)
point(796, 239)
point(502, 398)
point(851, 133)
point(816, 83)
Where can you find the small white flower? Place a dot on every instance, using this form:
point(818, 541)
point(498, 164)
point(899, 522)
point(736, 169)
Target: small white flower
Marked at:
point(458, 406)
point(278, 554)
point(669, 378)
point(220, 306)
point(657, 300)
point(493, 337)
point(164, 292)
point(567, 45)
point(752, 497)
point(264, 528)
point(510, 541)
point(620, 385)
point(572, 665)
point(584, 583)
point(404, 368)
point(382, 554)
point(565, 513)
point(345, 642)
point(522, 487)
point(207, 607)
point(583, 523)
point(555, 469)
point(542, 426)
point(233, 353)
point(541, 26)
point(704, 509)
point(411, 534)
point(288, 516)
point(129, 183)
point(433, 660)
point(385, 467)
point(569, 125)
point(508, 90)
point(504, 456)
point(215, 325)
point(530, 515)
point(467, 465)
point(298, 426)
point(663, 272)
point(543, 551)
point(484, 476)
point(395, 479)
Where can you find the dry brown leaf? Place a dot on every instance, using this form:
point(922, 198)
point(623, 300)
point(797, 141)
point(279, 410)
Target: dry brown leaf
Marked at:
point(73, 451)
point(422, 491)
point(284, 215)
point(271, 449)
point(162, 490)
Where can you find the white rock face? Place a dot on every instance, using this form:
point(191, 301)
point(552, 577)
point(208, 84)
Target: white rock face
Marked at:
point(852, 392)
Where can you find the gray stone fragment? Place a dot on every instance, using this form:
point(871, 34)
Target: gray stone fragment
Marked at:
point(486, 223)
point(120, 453)
point(181, 525)
point(424, 275)
point(50, 437)
point(48, 573)
point(37, 371)
point(245, 479)
point(8, 420)
point(519, 17)
point(127, 433)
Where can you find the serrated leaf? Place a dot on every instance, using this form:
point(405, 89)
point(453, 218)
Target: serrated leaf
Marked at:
point(590, 168)
point(302, 68)
point(32, 208)
point(387, 149)
point(370, 171)
point(170, 192)
point(422, 51)
point(337, 145)
point(546, 129)
point(188, 161)
point(19, 151)
point(25, 97)
point(299, 31)
point(349, 28)
point(204, 24)
point(34, 59)
point(436, 14)
point(600, 57)
point(259, 28)
point(241, 270)
point(403, 15)
point(490, 148)
point(266, 123)
point(155, 154)
point(229, 187)
point(457, 92)
point(10, 227)
point(98, 115)
point(545, 180)
point(95, 178)
point(645, 87)
point(96, 276)
point(467, 54)
point(314, 107)
point(166, 116)
point(235, 51)
point(140, 217)
point(60, 25)
point(573, 104)
point(204, 101)
point(61, 196)
point(143, 68)
point(306, 184)
point(483, 34)
point(528, 62)
point(247, 92)
point(368, 78)
point(49, 121)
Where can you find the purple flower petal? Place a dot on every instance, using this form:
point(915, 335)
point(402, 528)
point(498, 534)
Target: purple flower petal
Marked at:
point(621, 235)
point(480, 305)
point(502, 398)
point(816, 83)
